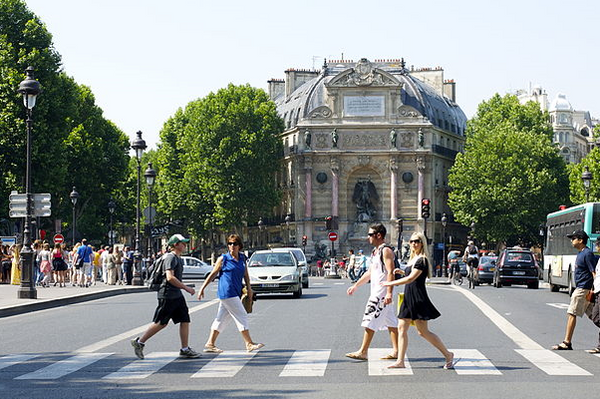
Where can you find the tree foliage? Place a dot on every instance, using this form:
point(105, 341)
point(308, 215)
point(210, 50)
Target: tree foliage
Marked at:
point(510, 175)
point(218, 159)
point(73, 144)
point(592, 163)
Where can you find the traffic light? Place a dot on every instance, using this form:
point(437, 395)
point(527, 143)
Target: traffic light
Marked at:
point(425, 208)
point(304, 240)
point(329, 223)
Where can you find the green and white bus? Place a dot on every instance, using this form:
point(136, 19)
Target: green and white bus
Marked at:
point(559, 254)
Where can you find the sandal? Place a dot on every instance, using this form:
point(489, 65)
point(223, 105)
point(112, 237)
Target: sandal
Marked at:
point(252, 347)
point(212, 349)
point(593, 351)
point(356, 356)
point(450, 363)
point(389, 357)
point(563, 346)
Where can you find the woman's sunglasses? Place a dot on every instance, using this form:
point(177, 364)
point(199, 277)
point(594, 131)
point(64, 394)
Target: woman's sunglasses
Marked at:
point(415, 241)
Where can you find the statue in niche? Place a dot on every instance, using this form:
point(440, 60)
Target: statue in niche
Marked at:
point(421, 138)
point(393, 138)
point(320, 251)
point(334, 138)
point(366, 198)
point(307, 138)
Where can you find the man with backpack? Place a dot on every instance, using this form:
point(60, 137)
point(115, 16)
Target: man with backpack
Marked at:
point(471, 257)
point(171, 303)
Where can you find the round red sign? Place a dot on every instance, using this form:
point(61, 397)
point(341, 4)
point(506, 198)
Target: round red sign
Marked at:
point(59, 239)
point(333, 236)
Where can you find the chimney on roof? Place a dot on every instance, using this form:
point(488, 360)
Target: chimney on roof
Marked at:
point(296, 78)
point(276, 88)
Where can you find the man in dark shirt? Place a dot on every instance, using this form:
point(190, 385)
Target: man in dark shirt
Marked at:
point(585, 264)
point(171, 303)
point(128, 264)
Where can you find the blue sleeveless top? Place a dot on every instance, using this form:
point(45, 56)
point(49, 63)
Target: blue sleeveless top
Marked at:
point(231, 276)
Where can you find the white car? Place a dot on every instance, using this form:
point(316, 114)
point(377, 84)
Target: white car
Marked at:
point(194, 268)
point(275, 272)
point(302, 262)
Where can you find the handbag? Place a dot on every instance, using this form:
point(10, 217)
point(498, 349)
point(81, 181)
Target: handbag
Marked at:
point(590, 296)
point(400, 300)
point(247, 301)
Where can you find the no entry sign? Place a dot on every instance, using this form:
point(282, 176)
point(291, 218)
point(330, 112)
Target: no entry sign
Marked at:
point(59, 239)
point(333, 236)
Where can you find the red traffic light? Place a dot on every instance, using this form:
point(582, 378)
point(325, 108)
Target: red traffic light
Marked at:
point(425, 201)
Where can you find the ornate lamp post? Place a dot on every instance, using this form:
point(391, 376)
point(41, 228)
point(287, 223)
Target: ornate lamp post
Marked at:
point(150, 175)
point(288, 219)
point(139, 145)
point(444, 224)
point(111, 209)
point(587, 178)
point(29, 89)
point(74, 197)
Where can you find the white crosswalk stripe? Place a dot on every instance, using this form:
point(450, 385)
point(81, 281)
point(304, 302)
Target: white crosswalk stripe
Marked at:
point(144, 368)
point(226, 364)
point(11, 360)
point(64, 367)
point(377, 366)
point(551, 362)
point(307, 363)
point(473, 362)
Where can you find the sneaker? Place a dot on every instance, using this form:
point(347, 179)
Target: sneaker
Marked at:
point(138, 348)
point(189, 353)
point(251, 347)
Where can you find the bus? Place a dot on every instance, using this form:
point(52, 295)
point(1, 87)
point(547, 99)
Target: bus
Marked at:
point(559, 254)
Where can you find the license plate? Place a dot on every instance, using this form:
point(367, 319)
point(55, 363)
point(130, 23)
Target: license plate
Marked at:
point(269, 285)
point(519, 273)
point(492, 269)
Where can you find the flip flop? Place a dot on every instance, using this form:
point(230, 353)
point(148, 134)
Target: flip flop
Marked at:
point(563, 346)
point(594, 351)
point(389, 357)
point(212, 349)
point(354, 356)
point(450, 365)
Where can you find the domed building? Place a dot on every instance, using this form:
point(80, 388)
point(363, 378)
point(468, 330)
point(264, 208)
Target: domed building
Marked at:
point(364, 142)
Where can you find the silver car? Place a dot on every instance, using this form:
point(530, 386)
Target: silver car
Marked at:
point(275, 272)
point(194, 268)
point(302, 262)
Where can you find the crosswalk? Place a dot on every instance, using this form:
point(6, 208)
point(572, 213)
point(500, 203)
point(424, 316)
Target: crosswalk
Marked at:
point(301, 363)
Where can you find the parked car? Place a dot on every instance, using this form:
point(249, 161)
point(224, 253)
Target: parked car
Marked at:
point(194, 268)
point(487, 268)
point(517, 266)
point(275, 272)
point(302, 262)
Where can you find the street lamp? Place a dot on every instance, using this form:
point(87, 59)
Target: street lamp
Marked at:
point(288, 219)
point(74, 197)
point(587, 181)
point(150, 175)
point(111, 209)
point(444, 224)
point(29, 89)
point(139, 145)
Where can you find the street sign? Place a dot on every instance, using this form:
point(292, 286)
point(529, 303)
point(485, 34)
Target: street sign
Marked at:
point(42, 206)
point(333, 236)
point(59, 238)
point(8, 240)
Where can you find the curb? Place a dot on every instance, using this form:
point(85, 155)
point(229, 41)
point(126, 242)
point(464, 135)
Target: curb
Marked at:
point(53, 303)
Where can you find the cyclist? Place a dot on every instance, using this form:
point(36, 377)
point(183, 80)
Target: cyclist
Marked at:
point(471, 257)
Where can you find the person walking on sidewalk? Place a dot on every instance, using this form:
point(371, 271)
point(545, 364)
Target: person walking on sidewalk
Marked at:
point(171, 303)
point(379, 313)
point(232, 270)
point(417, 306)
point(584, 281)
point(595, 316)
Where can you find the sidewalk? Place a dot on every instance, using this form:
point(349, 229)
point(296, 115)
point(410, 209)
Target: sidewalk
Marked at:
point(57, 296)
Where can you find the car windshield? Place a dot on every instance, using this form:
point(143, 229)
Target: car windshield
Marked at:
point(271, 259)
point(488, 259)
point(518, 257)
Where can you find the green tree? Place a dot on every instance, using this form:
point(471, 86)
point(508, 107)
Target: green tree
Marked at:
point(510, 175)
point(218, 159)
point(592, 163)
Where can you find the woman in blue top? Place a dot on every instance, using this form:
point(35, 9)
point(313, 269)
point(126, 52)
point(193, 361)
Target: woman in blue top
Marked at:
point(231, 269)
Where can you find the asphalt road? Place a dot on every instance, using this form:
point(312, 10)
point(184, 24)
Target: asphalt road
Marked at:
point(501, 336)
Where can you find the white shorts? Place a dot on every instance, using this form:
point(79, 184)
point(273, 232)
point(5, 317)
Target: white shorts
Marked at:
point(579, 305)
point(86, 270)
point(230, 308)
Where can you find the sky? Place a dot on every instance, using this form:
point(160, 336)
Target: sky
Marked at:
point(144, 59)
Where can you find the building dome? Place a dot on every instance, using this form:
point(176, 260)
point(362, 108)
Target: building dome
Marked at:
point(560, 103)
point(417, 97)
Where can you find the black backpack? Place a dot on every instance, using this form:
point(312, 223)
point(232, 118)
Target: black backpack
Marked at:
point(396, 261)
point(156, 274)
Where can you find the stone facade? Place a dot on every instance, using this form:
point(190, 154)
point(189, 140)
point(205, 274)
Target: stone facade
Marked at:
point(364, 142)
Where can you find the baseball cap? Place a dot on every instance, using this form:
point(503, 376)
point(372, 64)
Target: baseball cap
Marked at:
point(177, 238)
point(360, 251)
point(578, 234)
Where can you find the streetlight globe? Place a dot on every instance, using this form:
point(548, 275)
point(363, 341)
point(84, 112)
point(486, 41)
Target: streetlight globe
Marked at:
point(587, 177)
point(112, 206)
point(444, 220)
point(29, 88)
point(74, 196)
point(139, 145)
point(150, 175)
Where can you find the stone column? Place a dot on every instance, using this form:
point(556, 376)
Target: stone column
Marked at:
point(393, 189)
point(334, 187)
point(308, 178)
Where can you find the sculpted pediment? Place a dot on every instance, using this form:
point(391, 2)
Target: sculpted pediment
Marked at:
point(364, 74)
point(406, 111)
point(320, 113)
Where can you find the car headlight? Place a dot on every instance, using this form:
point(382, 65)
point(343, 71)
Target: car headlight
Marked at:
point(289, 277)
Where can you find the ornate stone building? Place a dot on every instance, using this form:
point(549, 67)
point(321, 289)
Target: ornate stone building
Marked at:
point(364, 142)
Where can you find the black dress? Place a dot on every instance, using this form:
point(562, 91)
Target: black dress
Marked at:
point(416, 304)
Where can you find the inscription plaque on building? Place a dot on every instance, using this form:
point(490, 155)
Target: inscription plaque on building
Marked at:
point(364, 106)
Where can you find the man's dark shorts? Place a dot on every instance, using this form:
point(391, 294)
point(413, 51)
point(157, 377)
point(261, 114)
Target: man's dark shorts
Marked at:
point(171, 309)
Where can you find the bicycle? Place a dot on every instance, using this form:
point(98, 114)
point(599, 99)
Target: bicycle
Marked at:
point(473, 275)
point(457, 278)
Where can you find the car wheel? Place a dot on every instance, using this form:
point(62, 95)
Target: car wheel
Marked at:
point(534, 286)
point(298, 293)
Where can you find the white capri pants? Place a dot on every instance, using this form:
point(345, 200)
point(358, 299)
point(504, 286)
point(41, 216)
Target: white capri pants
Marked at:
point(230, 308)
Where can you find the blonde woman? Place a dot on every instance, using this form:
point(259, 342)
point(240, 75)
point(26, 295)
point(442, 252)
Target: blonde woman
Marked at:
point(417, 306)
point(15, 275)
